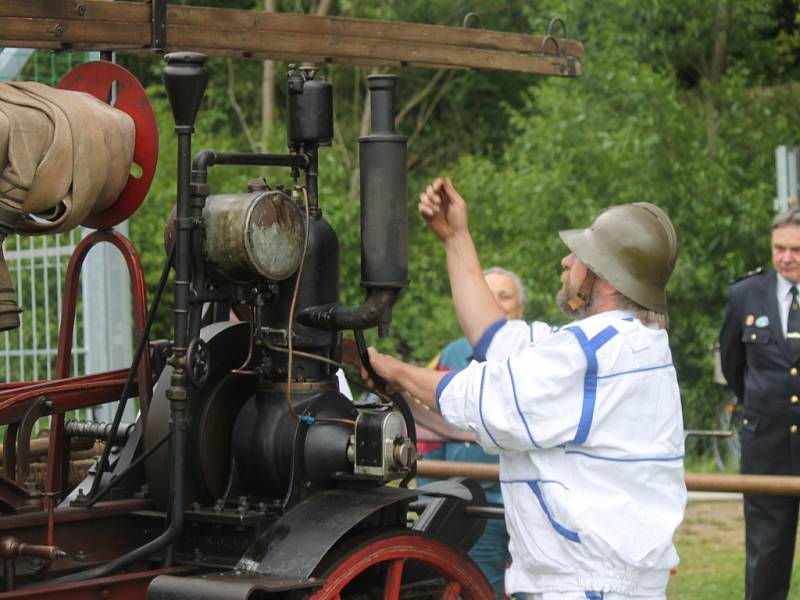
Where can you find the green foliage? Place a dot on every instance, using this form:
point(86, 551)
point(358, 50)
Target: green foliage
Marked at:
point(654, 118)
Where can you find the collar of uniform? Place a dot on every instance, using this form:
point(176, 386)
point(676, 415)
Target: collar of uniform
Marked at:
point(783, 286)
point(612, 315)
point(618, 314)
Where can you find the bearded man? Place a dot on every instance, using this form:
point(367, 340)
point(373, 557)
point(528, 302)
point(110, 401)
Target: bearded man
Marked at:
point(586, 418)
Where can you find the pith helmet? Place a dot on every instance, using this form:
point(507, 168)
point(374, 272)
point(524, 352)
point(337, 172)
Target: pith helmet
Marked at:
point(633, 247)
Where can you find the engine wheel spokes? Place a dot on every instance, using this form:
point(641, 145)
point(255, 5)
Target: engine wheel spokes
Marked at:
point(403, 565)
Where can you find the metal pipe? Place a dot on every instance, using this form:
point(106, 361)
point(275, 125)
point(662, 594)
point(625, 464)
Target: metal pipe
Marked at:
point(11, 548)
point(183, 227)
point(772, 485)
point(98, 431)
point(336, 317)
point(185, 79)
point(384, 221)
point(209, 158)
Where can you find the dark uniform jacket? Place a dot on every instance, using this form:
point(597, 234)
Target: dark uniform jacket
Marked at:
point(759, 368)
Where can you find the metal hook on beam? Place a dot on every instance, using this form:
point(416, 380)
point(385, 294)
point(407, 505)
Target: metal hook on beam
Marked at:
point(557, 21)
point(472, 16)
point(550, 38)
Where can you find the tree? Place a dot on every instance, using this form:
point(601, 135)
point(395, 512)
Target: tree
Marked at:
point(681, 104)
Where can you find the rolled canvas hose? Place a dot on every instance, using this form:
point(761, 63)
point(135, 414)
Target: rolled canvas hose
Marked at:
point(64, 155)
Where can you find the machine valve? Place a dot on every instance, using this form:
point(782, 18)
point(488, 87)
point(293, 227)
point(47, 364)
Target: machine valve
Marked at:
point(382, 449)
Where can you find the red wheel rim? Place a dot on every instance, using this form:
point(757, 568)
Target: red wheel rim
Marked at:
point(462, 577)
point(96, 78)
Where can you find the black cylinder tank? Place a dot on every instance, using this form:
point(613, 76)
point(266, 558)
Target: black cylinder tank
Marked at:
point(265, 436)
point(384, 218)
point(309, 111)
point(319, 285)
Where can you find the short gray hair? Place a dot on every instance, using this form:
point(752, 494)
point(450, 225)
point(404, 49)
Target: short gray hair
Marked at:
point(523, 294)
point(790, 216)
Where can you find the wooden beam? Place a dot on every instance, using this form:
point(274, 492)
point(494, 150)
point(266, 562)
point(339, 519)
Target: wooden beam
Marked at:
point(774, 485)
point(218, 18)
point(376, 50)
point(73, 33)
point(94, 24)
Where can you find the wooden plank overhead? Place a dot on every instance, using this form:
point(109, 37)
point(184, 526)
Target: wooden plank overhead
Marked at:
point(127, 27)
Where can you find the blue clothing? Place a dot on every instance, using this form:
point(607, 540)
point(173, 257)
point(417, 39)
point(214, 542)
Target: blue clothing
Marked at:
point(490, 552)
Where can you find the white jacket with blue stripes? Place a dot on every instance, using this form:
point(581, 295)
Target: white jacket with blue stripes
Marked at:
point(587, 422)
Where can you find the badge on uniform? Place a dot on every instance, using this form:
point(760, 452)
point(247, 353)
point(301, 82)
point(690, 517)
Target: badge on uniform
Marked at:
point(762, 321)
point(749, 319)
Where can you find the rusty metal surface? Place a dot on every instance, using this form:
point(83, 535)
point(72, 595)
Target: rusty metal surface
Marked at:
point(258, 234)
point(15, 498)
point(130, 586)
point(11, 547)
point(700, 482)
point(88, 537)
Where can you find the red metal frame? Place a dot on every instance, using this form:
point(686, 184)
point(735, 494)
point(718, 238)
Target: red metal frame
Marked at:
point(64, 394)
point(96, 78)
point(55, 456)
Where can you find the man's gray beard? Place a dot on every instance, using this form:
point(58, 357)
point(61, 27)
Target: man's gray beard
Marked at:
point(562, 298)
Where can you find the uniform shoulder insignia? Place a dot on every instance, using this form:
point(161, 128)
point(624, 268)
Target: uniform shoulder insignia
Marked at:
point(757, 271)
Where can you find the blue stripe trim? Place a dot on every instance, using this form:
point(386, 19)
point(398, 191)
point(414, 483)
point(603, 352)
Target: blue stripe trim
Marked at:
point(480, 410)
point(516, 402)
point(595, 595)
point(480, 349)
point(666, 366)
point(572, 536)
point(530, 329)
point(443, 384)
point(590, 348)
point(613, 459)
point(526, 481)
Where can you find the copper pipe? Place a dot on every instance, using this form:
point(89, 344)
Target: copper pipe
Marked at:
point(773, 485)
point(442, 469)
point(39, 446)
point(11, 547)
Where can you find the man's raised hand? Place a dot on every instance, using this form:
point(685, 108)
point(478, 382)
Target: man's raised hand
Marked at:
point(443, 209)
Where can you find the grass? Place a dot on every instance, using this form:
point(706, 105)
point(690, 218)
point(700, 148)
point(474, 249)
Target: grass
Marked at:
point(710, 543)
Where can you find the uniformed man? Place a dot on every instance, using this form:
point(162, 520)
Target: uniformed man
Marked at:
point(586, 418)
point(760, 352)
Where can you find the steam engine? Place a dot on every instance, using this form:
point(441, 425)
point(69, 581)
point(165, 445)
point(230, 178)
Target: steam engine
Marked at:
point(249, 472)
